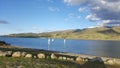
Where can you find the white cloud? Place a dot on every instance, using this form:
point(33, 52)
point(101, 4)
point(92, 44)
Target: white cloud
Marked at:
point(92, 17)
point(81, 9)
point(53, 9)
point(74, 2)
point(100, 9)
point(110, 23)
point(72, 16)
point(92, 27)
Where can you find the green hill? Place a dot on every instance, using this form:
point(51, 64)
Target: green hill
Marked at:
point(98, 33)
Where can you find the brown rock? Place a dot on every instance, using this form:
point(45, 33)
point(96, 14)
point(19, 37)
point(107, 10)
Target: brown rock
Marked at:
point(2, 53)
point(60, 58)
point(41, 55)
point(64, 58)
point(79, 59)
point(53, 56)
point(16, 54)
point(28, 55)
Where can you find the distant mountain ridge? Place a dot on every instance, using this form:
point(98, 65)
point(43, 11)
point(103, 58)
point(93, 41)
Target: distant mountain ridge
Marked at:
point(98, 33)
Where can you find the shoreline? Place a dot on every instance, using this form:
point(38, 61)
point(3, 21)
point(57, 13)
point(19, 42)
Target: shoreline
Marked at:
point(68, 38)
point(18, 52)
point(57, 52)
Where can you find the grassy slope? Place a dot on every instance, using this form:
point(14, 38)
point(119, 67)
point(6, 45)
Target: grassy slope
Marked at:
point(99, 33)
point(9, 62)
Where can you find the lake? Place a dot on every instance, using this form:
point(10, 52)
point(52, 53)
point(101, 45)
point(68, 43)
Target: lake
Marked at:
point(89, 47)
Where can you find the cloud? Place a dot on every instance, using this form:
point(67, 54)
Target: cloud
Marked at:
point(53, 9)
point(3, 22)
point(71, 16)
point(81, 9)
point(103, 10)
point(92, 27)
point(111, 23)
point(92, 18)
point(74, 2)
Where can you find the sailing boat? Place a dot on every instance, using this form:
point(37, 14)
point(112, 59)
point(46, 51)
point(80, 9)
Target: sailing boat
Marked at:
point(48, 43)
point(52, 40)
point(64, 41)
point(64, 44)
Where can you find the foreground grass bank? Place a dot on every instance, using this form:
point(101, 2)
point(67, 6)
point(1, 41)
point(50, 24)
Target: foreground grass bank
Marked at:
point(10, 62)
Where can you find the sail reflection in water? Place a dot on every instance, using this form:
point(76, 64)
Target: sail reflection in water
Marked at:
point(64, 44)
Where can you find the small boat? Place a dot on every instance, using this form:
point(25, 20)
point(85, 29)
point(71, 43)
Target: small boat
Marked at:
point(52, 40)
point(48, 41)
point(64, 41)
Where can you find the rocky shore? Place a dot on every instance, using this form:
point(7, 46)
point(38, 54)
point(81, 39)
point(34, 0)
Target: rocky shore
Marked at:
point(60, 56)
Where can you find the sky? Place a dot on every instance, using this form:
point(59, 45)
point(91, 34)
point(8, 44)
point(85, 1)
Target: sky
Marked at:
point(22, 16)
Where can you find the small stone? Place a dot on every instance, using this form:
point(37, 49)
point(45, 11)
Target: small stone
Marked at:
point(2, 53)
point(68, 58)
point(53, 56)
point(64, 58)
point(35, 57)
point(79, 59)
point(85, 59)
point(60, 58)
point(72, 59)
point(110, 62)
point(41, 55)
point(16, 54)
point(28, 55)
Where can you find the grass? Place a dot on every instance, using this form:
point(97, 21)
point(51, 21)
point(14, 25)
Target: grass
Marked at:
point(9, 62)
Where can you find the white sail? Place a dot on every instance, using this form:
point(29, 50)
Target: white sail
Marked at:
point(64, 44)
point(52, 40)
point(64, 41)
point(48, 43)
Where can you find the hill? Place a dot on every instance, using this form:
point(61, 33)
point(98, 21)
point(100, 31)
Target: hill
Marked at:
point(98, 33)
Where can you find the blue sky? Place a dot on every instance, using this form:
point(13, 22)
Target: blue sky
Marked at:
point(43, 16)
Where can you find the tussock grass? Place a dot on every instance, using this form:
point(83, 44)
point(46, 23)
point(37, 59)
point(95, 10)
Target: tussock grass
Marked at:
point(10, 62)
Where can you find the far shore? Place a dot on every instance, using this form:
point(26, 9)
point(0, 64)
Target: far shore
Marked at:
point(68, 38)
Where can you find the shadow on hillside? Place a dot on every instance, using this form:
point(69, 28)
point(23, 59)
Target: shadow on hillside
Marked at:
point(109, 31)
point(94, 63)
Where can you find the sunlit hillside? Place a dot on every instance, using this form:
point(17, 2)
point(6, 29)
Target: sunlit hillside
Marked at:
point(98, 33)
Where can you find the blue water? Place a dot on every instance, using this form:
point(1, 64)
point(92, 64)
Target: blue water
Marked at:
point(89, 47)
